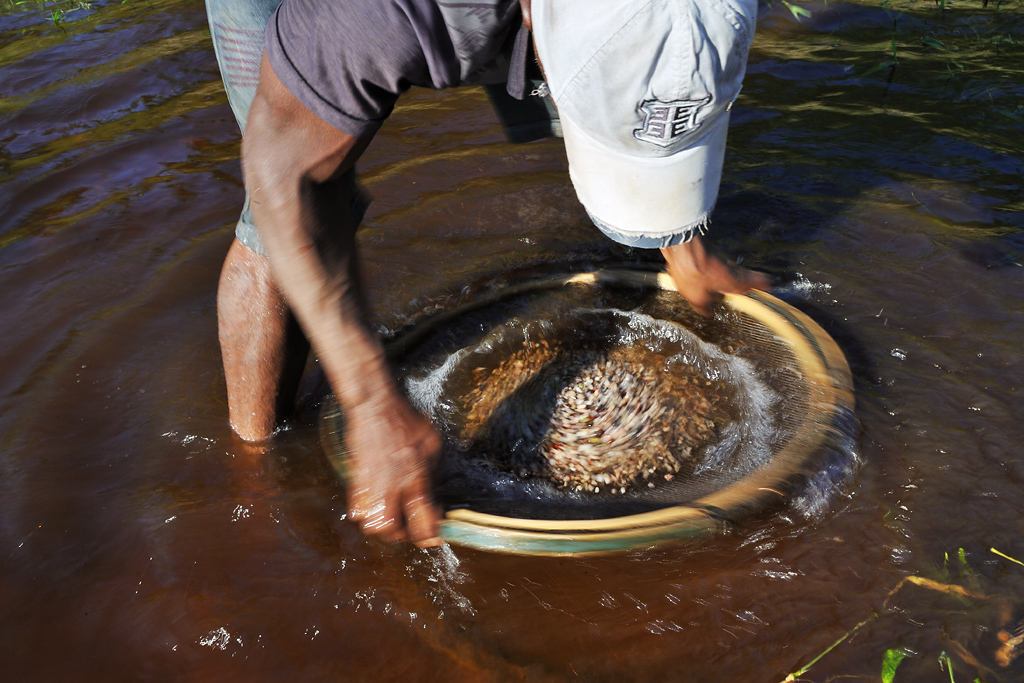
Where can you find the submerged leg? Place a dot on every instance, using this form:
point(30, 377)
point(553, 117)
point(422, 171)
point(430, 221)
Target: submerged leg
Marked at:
point(264, 350)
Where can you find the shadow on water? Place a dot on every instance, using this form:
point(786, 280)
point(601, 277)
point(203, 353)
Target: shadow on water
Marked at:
point(873, 170)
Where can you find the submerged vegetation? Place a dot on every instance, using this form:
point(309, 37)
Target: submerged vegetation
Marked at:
point(897, 94)
point(956, 579)
point(962, 35)
point(56, 11)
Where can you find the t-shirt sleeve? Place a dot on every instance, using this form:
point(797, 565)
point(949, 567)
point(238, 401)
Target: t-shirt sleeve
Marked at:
point(348, 61)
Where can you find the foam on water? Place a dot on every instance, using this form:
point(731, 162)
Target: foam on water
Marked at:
point(425, 392)
point(839, 466)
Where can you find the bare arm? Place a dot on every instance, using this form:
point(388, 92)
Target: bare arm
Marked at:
point(294, 163)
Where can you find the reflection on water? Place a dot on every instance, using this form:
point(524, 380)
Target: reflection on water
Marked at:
point(137, 536)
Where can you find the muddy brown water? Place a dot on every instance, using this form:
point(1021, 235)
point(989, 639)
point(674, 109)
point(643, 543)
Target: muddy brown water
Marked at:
point(140, 541)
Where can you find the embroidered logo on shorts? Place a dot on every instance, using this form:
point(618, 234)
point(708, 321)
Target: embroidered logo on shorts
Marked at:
point(666, 121)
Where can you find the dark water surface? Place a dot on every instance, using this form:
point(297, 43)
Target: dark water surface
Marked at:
point(140, 541)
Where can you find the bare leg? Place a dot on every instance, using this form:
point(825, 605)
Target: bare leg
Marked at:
point(263, 348)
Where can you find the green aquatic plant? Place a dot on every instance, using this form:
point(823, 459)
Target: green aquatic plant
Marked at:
point(946, 664)
point(807, 667)
point(796, 10)
point(892, 657)
point(55, 12)
point(890, 660)
point(1004, 555)
point(890, 63)
point(957, 38)
point(930, 41)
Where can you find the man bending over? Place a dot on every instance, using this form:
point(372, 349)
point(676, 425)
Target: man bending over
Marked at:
point(640, 90)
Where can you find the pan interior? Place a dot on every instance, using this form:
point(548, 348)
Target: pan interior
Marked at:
point(587, 402)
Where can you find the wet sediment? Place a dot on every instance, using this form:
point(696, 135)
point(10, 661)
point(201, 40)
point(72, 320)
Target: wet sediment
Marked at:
point(591, 419)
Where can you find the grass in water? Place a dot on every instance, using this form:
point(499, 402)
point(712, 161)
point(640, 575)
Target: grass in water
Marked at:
point(939, 39)
point(892, 657)
point(797, 674)
point(1004, 555)
point(890, 660)
point(55, 12)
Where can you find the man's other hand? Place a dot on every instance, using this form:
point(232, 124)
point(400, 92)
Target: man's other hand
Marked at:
point(392, 450)
point(700, 275)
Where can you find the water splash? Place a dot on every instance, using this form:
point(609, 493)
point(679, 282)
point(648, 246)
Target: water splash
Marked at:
point(444, 576)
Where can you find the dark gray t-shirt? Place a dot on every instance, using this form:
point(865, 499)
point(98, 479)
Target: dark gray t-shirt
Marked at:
point(349, 60)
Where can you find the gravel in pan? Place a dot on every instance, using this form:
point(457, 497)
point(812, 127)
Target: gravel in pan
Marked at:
point(591, 419)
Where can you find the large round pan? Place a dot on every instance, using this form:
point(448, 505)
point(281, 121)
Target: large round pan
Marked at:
point(827, 406)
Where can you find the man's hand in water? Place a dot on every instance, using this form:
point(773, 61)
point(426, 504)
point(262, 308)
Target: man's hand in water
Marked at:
point(393, 450)
point(700, 275)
